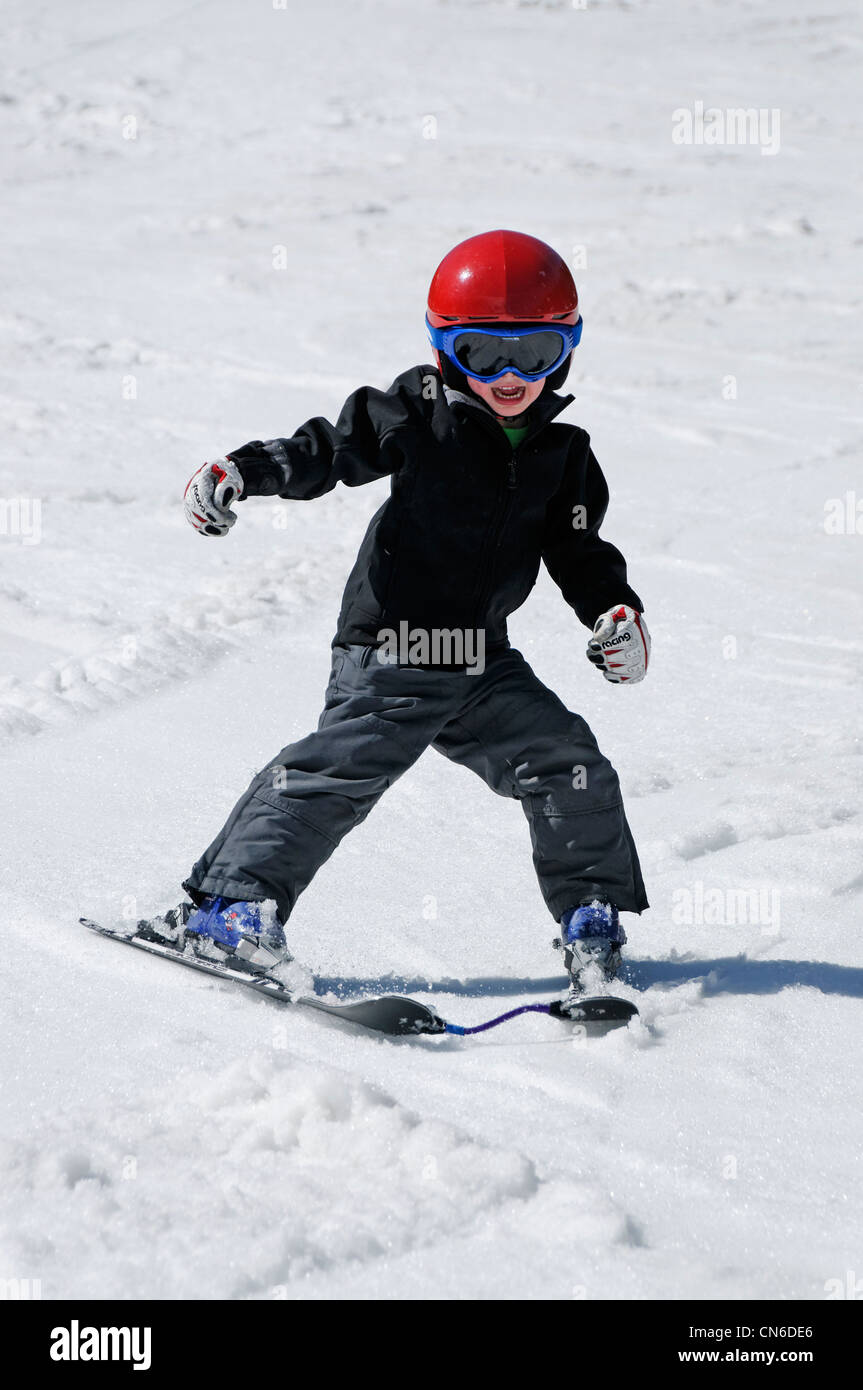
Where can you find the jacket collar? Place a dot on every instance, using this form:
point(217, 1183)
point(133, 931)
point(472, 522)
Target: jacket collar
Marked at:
point(542, 412)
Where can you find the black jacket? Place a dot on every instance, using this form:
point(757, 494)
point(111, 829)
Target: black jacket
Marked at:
point(459, 541)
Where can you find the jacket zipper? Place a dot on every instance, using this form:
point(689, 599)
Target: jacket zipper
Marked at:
point(503, 509)
point(505, 498)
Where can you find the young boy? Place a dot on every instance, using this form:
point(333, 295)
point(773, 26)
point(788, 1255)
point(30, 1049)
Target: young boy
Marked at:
point(485, 485)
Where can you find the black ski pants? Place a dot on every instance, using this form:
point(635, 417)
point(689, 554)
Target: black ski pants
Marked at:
point(502, 723)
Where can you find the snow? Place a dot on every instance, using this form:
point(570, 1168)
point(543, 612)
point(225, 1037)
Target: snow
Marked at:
point(167, 1137)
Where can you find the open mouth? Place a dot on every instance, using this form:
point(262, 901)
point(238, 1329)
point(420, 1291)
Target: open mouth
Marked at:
point(508, 393)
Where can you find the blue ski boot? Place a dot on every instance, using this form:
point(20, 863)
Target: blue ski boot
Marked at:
point(591, 942)
point(245, 935)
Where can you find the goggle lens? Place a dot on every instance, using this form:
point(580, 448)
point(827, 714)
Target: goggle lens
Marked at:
point(485, 354)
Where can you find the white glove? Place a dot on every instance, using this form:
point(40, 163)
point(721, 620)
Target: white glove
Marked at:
point(209, 493)
point(620, 645)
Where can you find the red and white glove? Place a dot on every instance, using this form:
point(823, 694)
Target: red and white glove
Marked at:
point(208, 496)
point(620, 645)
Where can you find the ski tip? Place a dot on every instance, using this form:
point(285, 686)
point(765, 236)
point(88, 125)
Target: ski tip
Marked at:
point(391, 1013)
point(609, 1010)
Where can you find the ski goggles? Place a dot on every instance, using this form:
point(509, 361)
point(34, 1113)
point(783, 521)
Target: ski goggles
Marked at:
point(489, 353)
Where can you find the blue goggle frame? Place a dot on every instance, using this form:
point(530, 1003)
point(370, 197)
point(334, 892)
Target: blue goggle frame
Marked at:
point(444, 339)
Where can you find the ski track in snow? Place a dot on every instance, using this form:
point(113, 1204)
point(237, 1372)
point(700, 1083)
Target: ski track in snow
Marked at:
point(162, 1136)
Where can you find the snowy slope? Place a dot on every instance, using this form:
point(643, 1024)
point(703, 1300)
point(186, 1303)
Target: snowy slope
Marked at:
point(162, 1136)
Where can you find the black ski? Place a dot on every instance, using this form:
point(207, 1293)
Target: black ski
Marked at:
point(391, 1013)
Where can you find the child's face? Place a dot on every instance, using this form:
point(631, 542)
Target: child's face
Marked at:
point(509, 395)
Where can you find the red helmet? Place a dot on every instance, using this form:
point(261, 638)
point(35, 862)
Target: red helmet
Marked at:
point(502, 276)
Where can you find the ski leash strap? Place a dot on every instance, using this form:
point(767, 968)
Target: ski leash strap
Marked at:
point(610, 1011)
point(501, 1018)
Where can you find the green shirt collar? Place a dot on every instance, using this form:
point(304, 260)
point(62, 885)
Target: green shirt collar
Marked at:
point(515, 433)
